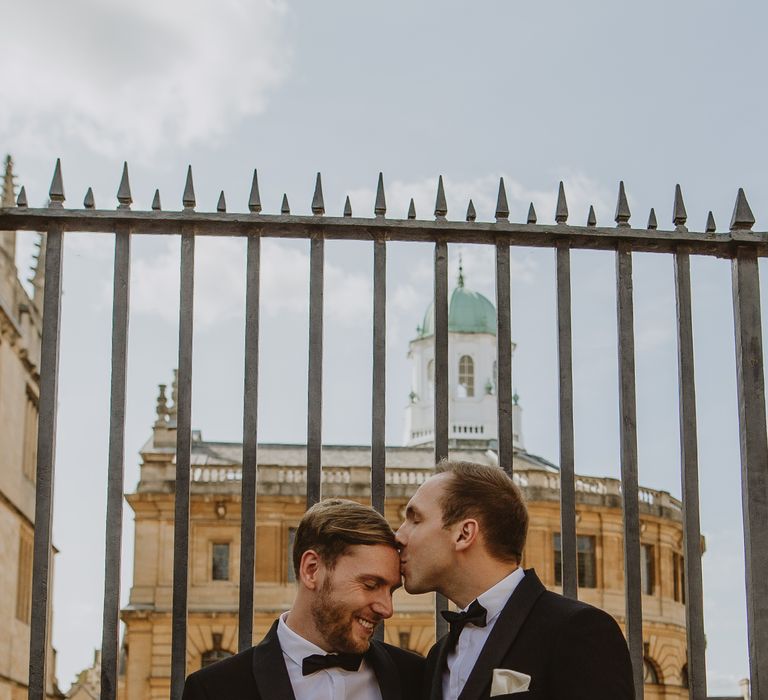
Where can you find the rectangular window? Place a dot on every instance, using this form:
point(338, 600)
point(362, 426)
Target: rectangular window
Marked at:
point(220, 561)
point(647, 568)
point(678, 577)
point(290, 573)
point(24, 577)
point(29, 455)
point(586, 564)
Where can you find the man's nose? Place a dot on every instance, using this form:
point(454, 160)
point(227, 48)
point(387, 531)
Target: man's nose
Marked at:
point(400, 535)
point(383, 605)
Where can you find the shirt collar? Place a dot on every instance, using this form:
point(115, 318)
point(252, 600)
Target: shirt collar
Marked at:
point(496, 597)
point(294, 646)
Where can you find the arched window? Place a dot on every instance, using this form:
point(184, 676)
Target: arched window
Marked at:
point(467, 375)
point(651, 673)
point(216, 654)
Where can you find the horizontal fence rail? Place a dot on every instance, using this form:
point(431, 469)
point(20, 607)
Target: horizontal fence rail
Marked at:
point(739, 243)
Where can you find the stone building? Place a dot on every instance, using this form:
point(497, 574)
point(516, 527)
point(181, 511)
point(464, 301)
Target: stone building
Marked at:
point(215, 522)
point(20, 337)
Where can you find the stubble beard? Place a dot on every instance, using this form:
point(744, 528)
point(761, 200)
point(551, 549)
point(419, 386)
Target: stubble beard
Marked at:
point(334, 621)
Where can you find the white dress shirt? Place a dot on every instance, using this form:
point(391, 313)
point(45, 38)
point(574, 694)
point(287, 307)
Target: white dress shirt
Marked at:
point(326, 684)
point(463, 658)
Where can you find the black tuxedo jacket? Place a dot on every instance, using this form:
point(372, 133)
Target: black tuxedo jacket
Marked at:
point(259, 673)
point(571, 650)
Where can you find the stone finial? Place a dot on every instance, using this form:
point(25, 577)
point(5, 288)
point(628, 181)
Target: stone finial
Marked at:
point(318, 205)
point(471, 213)
point(161, 408)
point(531, 214)
point(591, 217)
point(8, 195)
point(411, 210)
point(743, 219)
point(254, 199)
point(173, 409)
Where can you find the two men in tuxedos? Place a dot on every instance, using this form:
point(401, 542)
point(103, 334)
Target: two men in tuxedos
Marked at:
point(347, 567)
point(463, 536)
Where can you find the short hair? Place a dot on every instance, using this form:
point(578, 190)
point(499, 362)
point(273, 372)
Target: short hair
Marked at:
point(331, 526)
point(488, 494)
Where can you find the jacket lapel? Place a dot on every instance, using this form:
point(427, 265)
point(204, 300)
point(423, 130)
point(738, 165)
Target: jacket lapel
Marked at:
point(436, 692)
point(269, 668)
point(503, 634)
point(385, 670)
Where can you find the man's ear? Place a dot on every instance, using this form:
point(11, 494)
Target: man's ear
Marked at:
point(466, 533)
point(311, 570)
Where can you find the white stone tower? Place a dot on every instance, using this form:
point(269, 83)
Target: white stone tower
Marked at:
point(472, 376)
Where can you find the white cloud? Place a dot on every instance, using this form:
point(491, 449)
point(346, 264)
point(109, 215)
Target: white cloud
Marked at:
point(138, 76)
point(581, 191)
point(220, 283)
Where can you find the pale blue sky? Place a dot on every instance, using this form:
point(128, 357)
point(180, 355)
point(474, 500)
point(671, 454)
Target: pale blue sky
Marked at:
point(655, 94)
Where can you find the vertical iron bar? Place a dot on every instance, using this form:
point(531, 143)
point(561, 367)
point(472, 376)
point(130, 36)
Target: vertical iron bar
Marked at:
point(629, 481)
point(754, 458)
point(567, 468)
point(378, 397)
point(250, 445)
point(183, 458)
point(111, 615)
point(441, 387)
point(46, 453)
point(315, 376)
point(694, 601)
point(378, 452)
point(504, 357)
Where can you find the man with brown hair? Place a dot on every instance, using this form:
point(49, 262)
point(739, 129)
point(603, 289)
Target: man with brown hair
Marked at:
point(347, 567)
point(463, 536)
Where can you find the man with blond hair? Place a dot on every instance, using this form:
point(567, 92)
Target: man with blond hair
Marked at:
point(347, 567)
point(463, 536)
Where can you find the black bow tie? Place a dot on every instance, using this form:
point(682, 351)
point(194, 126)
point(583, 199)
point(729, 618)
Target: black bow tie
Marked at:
point(475, 614)
point(319, 662)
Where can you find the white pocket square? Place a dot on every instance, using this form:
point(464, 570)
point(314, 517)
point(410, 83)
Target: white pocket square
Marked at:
point(506, 682)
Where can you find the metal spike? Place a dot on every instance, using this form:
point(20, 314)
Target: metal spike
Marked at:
point(502, 208)
point(318, 207)
point(188, 200)
point(561, 211)
point(711, 227)
point(622, 207)
point(124, 190)
point(652, 225)
point(21, 201)
point(221, 206)
point(471, 214)
point(531, 215)
point(254, 200)
point(743, 219)
point(56, 193)
point(591, 218)
point(89, 202)
point(284, 207)
point(347, 207)
point(441, 206)
point(679, 215)
point(380, 207)
point(156, 201)
point(411, 210)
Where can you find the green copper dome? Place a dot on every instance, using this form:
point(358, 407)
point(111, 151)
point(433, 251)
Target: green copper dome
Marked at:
point(468, 312)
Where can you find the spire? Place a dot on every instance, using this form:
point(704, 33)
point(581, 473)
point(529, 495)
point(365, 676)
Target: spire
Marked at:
point(8, 199)
point(461, 271)
point(8, 194)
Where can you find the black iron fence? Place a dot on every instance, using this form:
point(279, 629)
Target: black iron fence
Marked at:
point(740, 244)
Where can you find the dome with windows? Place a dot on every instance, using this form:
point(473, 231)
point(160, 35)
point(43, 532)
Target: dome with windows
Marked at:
point(468, 312)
